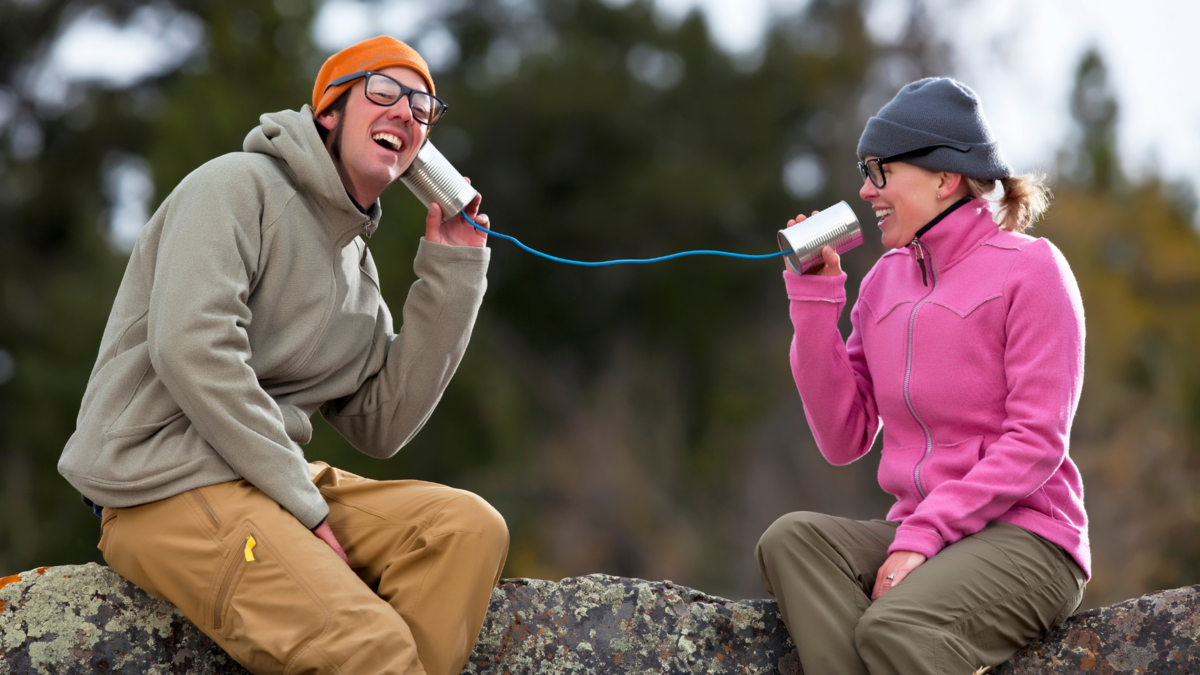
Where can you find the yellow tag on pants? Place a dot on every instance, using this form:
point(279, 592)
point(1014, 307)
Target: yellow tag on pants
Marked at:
point(250, 544)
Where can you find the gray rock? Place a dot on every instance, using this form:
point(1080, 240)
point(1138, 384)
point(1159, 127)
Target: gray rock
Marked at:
point(603, 624)
point(86, 619)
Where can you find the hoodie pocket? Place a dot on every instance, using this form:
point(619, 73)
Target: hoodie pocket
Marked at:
point(950, 462)
point(896, 466)
point(297, 425)
point(137, 445)
point(150, 408)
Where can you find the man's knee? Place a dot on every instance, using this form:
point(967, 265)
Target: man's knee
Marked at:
point(471, 513)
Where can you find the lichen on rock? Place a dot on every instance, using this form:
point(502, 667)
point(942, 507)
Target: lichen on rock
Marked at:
point(86, 619)
point(609, 624)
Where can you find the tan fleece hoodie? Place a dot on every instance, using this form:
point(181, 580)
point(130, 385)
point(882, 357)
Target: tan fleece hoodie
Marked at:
point(249, 303)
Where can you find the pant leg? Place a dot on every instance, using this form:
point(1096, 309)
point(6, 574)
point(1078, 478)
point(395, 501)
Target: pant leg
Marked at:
point(434, 553)
point(973, 604)
point(821, 570)
point(289, 606)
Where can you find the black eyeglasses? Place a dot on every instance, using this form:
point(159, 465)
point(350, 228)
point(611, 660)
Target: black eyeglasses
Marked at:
point(872, 169)
point(383, 90)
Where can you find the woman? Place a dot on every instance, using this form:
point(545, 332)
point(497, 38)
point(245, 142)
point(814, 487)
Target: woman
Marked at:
point(967, 345)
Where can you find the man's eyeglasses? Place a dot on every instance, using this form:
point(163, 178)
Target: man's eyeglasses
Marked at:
point(872, 169)
point(383, 90)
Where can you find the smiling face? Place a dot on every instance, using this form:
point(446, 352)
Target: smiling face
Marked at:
point(371, 144)
point(910, 199)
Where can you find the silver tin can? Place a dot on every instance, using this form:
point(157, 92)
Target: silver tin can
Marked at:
point(836, 226)
point(432, 178)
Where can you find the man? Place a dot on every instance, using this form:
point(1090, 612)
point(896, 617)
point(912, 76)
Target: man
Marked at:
point(251, 302)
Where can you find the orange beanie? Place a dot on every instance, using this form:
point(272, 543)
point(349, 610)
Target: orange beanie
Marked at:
point(374, 54)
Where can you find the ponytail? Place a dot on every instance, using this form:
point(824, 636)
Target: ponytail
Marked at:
point(1022, 199)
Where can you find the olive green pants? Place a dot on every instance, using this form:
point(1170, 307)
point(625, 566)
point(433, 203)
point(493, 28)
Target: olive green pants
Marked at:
point(973, 604)
point(424, 559)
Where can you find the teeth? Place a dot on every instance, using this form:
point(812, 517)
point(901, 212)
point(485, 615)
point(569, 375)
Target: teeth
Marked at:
point(388, 139)
point(883, 213)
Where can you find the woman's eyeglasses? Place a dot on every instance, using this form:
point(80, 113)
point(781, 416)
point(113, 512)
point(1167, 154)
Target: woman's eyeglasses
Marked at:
point(383, 90)
point(872, 169)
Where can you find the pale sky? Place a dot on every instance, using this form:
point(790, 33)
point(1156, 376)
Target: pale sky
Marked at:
point(1019, 55)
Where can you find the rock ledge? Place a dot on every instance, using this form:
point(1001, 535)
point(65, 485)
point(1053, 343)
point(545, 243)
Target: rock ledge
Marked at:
point(86, 619)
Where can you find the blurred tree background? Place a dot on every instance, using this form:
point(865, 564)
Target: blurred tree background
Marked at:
point(631, 420)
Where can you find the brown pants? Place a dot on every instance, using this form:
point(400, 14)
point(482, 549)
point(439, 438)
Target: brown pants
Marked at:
point(424, 559)
point(973, 604)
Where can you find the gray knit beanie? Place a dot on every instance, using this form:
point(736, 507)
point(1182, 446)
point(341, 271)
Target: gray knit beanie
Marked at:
point(942, 113)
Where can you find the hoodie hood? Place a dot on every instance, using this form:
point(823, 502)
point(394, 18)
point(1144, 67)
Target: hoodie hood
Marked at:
point(291, 137)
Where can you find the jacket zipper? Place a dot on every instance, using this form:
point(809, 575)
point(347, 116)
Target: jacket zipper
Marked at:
point(366, 240)
point(225, 584)
point(912, 322)
point(206, 508)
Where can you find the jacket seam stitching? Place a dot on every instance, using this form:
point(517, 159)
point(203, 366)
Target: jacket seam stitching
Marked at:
point(970, 311)
point(279, 216)
point(1004, 291)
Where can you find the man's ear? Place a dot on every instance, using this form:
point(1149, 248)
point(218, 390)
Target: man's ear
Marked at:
point(327, 119)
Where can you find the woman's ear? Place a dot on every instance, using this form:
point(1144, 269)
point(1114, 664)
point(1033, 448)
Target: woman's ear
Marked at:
point(948, 183)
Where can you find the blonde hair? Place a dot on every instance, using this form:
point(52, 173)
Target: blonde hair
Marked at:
point(1022, 199)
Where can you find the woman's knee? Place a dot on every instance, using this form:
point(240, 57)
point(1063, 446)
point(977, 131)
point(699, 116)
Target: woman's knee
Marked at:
point(873, 626)
point(879, 633)
point(788, 530)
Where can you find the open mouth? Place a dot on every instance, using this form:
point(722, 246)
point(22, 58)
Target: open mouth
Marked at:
point(388, 141)
point(882, 214)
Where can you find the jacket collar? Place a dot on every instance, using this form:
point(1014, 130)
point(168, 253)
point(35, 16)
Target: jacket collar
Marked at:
point(291, 137)
point(959, 231)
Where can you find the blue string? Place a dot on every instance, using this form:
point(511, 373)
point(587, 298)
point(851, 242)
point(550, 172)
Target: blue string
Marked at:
point(623, 261)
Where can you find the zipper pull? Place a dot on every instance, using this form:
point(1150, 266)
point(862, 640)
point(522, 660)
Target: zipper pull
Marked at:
point(366, 239)
point(921, 262)
point(249, 550)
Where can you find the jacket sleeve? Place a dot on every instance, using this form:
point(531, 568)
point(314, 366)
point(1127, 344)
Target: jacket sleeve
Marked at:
point(207, 258)
point(1043, 363)
point(393, 404)
point(831, 375)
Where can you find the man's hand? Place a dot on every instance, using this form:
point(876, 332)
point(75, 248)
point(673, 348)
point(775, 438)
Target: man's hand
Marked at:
point(897, 565)
point(456, 231)
point(325, 534)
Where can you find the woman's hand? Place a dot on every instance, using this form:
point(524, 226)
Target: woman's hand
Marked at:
point(897, 566)
point(456, 231)
point(831, 265)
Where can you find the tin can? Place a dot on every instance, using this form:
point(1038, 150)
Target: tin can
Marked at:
point(836, 226)
point(432, 178)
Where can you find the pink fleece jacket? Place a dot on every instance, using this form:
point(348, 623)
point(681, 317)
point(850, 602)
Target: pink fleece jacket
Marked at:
point(975, 377)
